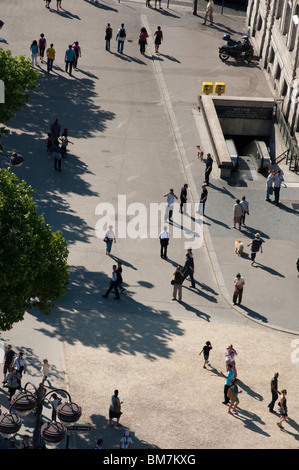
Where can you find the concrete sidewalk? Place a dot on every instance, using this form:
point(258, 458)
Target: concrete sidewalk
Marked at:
point(132, 121)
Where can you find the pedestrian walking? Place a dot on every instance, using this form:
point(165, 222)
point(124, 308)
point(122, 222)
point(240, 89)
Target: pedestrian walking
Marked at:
point(57, 156)
point(256, 245)
point(12, 382)
point(278, 179)
point(269, 185)
point(170, 198)
point(158, 38)
point(183, 197)
point(230, 354)
point(47, 5)
point(274, 392)
point(206, 353)
point(237, 214)
point(115, 408)
point(233, 394)
point(119, 271)
point(209, 12)
point(49, 144)
point(55, 130)
point(69, 59)
point(164, 242)
point(45, 369)
point(50, 57)
point(142, 39)
point(228, 379)
point(177, 283)
point(20, 364)
point(188, 269)
point(55, 402)
point(203, 199)
point(8, 361)
point(147, 3)
point(113, 284)
point(99, 444)
point(108, 36)
point(156, 1)
point(208, 169)
point(58, 4)
point(34, 53)
point(120, 38)
point(239, 283)
point(126, 441)
point(282, 408)
point(109, 239)
point(245, 206)
point(42, 44)
point(77, 50)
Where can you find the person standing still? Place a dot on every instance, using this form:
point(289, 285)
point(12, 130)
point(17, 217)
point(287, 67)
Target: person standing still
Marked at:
point(278, 178)
point(183, 198)
point(164, 242)
point(169, 205)
point(77, 50)
point(108, 36)
point(245, 206)
point(228, 379)
point(203, 199)
point(115, 408)
point(50, 57)
point(158, 38)
point(120, 38)
point(209, 12)
point(274, 391)
point(177, 283)
point(282, 408)
point(57, 156)
point(188, 269)
point(238, 214)
point(69, 59)
point(238, 292)
point(208, 170)
point(7, 361)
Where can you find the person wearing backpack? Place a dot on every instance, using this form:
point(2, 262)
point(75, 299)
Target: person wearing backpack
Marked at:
point(108, 36)
point(120, 38)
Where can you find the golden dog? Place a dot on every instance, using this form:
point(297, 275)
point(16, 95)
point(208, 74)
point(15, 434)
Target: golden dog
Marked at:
point(239, 247)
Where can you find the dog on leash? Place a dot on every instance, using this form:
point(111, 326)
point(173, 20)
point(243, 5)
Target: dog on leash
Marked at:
point(199, 153)
point(239, 247)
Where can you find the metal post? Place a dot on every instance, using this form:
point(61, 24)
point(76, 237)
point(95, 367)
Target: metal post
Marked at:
point(194, 7)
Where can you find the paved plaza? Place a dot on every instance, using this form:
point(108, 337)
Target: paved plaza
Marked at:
point(134, 123)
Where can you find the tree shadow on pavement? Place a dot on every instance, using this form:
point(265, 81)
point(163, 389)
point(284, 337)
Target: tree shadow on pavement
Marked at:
point(124, 326)
point(111, 435)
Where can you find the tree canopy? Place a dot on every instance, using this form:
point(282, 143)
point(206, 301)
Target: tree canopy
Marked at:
point(33, 258)
point(19, 80)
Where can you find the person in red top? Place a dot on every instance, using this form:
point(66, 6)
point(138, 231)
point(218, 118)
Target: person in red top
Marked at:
point(142, 40)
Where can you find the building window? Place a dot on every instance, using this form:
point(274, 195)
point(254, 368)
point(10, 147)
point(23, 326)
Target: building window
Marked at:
point(259, 23)
point(284, 89)
point(271, 55)
point(279, 9)
point(278, 72)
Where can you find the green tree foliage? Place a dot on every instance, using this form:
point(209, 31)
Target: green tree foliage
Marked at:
point(33, 259)
point(19, 80)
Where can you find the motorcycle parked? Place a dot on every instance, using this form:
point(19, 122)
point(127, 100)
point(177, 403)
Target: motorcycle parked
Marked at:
point(236, 49)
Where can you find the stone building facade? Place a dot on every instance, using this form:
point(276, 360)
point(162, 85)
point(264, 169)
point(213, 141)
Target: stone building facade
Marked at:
point(274, 31)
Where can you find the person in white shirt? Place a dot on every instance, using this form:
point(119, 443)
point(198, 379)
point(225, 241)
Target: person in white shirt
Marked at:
point(278, 178)
point(238, 292)
point(109, 238)
point(169, 204)
point(20, 364)
point(126, 441)
point(164, 241)
point(245, 206)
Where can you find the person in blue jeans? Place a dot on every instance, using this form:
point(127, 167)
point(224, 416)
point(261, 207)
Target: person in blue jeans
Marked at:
point(228, 379)
point(120, 38)
point(108, 36)
point(69, 59)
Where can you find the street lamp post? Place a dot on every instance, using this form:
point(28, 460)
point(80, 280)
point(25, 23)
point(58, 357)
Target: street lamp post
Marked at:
point(25, 401)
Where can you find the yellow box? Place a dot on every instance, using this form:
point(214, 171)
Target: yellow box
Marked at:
point(207, 88)
point(219, 88)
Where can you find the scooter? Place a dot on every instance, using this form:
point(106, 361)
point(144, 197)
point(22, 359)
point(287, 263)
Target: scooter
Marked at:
point(236, 49)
